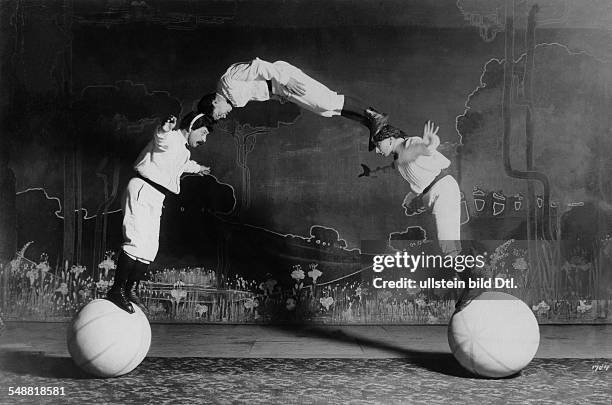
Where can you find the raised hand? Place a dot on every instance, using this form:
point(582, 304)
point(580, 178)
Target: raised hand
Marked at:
point(430, 136)
point(169, 124)
point(429, 131)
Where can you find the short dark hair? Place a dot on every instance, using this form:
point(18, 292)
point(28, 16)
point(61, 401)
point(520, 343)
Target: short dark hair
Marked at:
point(203, 121)
point(205, 105)
point(388, 131)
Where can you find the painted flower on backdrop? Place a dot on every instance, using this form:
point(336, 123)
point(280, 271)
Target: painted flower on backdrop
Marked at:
point(251, 303)
point(241, 283)
point(84, 294)
point(500, 253)
point(15, 264)
point(62, 289)
point(107, 264)
point(43, 267)
point(201, 309)
point(102, 285)
point(297, 273)
point(583, 306)
point(420, 302)
point(290, 304)
point(541, 309)
point(347, 314)
point(314, 273)
point(178, 295)
point(77, 270)
point(385, 295)
point(32, 275)
point(520, 264)
point(326, 302)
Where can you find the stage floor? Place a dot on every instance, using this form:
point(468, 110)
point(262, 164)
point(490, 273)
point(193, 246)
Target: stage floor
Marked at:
point(258, 341)
point(249, 364)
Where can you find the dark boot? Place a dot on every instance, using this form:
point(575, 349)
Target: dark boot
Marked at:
point(117, 293)
point(376, 120)
point(132, 294)
point(357, 110)
point(469, 294)
point(139, 273)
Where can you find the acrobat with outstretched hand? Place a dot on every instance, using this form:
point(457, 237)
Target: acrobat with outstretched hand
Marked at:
point(421, 165)
point(158, 172)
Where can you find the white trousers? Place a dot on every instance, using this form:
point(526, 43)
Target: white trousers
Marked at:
point(444, 202)
point(318, 98)
point(142, 208)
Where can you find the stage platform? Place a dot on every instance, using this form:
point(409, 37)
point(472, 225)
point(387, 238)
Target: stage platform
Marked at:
point(334, 341)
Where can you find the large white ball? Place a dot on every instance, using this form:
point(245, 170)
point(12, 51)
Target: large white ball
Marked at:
point(496, 335)
point(106, 341)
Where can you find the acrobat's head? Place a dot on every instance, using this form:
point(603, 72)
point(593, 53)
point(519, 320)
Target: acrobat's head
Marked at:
point(386, 139)
point(196, 127)
point(214, 105)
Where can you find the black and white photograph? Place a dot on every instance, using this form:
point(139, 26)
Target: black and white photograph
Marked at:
point(306, 202)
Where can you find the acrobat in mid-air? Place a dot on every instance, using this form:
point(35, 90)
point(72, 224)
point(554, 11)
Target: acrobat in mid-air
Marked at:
point(421, 165)
point(158, 172)
point(259, 80)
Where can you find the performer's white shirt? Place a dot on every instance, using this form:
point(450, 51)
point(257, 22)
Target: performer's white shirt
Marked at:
point(244, 82)
point(165, 159)
point(417, 169)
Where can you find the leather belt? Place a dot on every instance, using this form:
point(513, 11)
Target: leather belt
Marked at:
point(156, 186)
point(434, 181)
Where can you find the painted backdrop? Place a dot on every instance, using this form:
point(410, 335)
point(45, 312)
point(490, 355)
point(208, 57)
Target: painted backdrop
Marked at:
point(521, 91)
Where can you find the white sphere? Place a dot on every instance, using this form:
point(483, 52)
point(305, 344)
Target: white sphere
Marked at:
point(106, 341)
point(495, 335)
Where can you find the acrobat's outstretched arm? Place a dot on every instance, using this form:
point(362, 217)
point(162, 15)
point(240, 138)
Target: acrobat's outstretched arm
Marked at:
point(430, 137)
point(415, 146)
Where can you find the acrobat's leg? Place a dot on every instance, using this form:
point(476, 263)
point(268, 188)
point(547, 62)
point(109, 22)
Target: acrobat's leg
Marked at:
point(138, 274)
point(117, 293)
point(444, 200)
point(356, 110)
point(469, 293)
point(141, 222)
point(320, 100)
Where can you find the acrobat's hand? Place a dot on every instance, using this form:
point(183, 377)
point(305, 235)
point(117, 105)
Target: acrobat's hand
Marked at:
point(204, 170)
point(429, 130)
point(430, 136)
point(366, 171)
point(296, 87)
point(169, 124)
